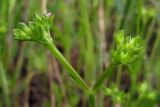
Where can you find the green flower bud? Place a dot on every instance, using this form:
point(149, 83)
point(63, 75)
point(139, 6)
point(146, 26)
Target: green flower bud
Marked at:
point(116, 95)
point(127, 49)
point(38, 30)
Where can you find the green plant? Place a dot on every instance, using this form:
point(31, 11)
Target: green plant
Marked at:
point(117, 95)
point(39, 31)
point(127, 50)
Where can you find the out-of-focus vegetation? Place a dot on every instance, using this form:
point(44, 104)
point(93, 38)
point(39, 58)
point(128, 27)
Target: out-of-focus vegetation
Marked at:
point(83, 31)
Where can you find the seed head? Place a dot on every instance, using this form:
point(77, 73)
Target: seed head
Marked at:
point(127, 49)
point(38, 30)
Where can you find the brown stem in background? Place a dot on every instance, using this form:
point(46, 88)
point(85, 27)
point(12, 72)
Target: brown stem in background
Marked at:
point(50, 76)
point(44, 6)
point(27, 91)
point(26, 97)
point(57, 75)
point(102, 33)
point(20, 57)
point(9, 39)
point(118, 105)
point(21, 45)
point(103, 52)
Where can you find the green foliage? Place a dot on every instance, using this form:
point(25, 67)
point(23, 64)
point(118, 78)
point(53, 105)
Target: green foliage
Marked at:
point(147, 97)
point(117, 95)
point(127, 49)
point(84, 35)
point(38, 30)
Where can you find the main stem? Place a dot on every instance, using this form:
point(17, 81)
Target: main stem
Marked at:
point(75, 76)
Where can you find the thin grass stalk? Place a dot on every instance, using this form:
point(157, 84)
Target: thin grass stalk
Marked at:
point(21, 48)
point(126, 12)
point(155, 46)
point(139, 16)
point(89, 53)
point(5, 87)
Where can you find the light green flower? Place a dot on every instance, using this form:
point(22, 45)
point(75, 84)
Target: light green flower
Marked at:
point(38, 30)
point(127, 48)
point(117, 95)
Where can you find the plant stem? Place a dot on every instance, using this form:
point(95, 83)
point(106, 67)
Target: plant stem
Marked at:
point(119, 75)
point(107, 73)
point(75, 76)
point(125, 14)
point(89, 48)
point(138, 16)
point(5, 88)
point(92, 100)
point(19, 64)
point(155, 46)
point(149, 32)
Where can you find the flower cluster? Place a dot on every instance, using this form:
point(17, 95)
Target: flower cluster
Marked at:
point(38, 30)
point(116, 94)
point(127, 48)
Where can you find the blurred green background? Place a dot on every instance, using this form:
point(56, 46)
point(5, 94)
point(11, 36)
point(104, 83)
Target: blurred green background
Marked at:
point(83, 31)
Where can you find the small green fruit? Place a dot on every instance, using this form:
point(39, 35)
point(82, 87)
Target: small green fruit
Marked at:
point(38, 30)
point(127, 49)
